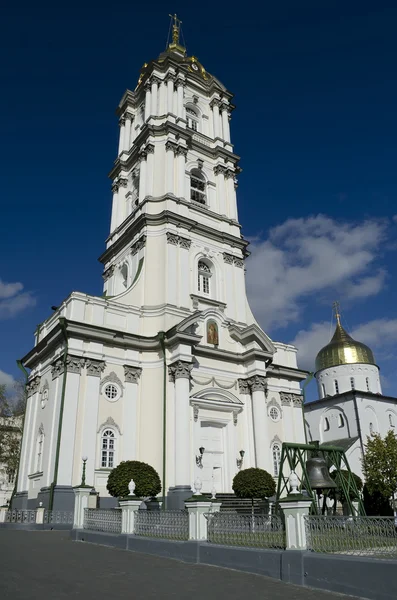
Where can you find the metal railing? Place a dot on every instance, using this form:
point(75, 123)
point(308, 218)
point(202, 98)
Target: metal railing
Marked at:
point(20, 516)
point(58, 517)
point(360, 536)
point(106, 520)
point(168, 524)
point(259, 531)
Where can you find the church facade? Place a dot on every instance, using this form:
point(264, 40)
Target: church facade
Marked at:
point(169, 366)
point(351, 406)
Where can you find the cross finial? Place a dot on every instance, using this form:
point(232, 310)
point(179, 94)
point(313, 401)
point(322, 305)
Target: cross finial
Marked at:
point(336, 307)
point(176, 28)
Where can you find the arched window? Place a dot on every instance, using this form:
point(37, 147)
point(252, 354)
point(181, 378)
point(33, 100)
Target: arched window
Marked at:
point(197, 186)
point(371, 428)
point(352, 383)
point(39, 451)
point(341, 421)
point(192, 118)
point(107, 449)
point(124, 275)
point(276, 456)
point(326, 424)
point(204, 275)
point(391, 420)
point(367, 384)
point(323, 390)
point(336, 386)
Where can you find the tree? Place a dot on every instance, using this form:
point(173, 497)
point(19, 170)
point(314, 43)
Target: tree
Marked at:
point(380, 465)
point(339, 493)
point(11, 425)
point(146, 479)
point(254, 483)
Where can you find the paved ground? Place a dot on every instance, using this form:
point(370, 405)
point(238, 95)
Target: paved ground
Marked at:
point(47, 564)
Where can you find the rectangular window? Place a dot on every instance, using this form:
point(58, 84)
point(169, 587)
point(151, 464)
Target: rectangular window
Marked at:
point(104, 458)
point(367, 382)
point(352, 383)
point(206, 285)
point(336, 386)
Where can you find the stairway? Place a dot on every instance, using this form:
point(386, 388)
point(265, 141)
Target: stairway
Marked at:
point(230, 503)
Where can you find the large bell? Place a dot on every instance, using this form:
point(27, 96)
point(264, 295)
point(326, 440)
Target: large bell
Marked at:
point(318, 474)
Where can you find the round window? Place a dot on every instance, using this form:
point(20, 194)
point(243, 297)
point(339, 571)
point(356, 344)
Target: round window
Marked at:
point(274, 413)
point(111, 391)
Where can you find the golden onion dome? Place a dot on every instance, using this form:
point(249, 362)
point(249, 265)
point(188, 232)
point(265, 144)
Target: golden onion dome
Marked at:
point(343, 350)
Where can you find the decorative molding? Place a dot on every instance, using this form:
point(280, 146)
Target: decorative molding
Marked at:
point(132, 374)
point(122, 121)
point(128, 115)
point(177, 240)
point(139, 244)
point(215, 102)
point(149, 148)
point(243, 386)
point(273, 402)
point(108, 273)
point(180, 369)
point(170, 77)
point(258, 383)
point(110, 422)
point(213, 381)
point(235, 416)
point(219, 169)
point(33, 386)
point(239, 262)
point(41, 429)
point(181, 151)
point(195, 412)
point(74, 364)
point(170, 145)
point(112, 378)
point(185, 243)
point(57, 368)
point(155, 79)
point(229, 174)
point(288, 399)
point(229, 259)
point(275, 440)
point(94, 367)
point(297, 400)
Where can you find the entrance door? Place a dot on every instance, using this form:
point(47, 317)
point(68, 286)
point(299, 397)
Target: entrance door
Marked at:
point(212, 473)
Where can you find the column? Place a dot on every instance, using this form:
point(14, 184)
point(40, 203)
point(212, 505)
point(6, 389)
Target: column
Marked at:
point(215, 115)
point(113, 222)
point(127, 131)
point(142, 176)
point(69, 421)
point(262, 451)
point(131, 376)
point(122, 131)
point(231, 195)
point(147, 100)
point(219, 171)
point(122, 182)
point(149, 169)
point(155, 83)
point(170, 93)
point(170, 148)
point(180, 85)
point(180, 373)
point(181, 161)
point(133, 132)
point(32, 388)
point(225, 123)
point(94, 372)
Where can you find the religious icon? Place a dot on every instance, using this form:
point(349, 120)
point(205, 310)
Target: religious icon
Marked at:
point(212, 333)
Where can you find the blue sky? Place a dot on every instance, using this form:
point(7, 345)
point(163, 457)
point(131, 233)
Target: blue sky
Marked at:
point(315, 125)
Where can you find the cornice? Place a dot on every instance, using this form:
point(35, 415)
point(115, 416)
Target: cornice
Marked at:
point(290, 372)
point(236, 357)
point(180, 221)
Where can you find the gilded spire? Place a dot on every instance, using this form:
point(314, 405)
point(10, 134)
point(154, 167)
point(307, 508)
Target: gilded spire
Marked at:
point(176, 34)
point(336, 307)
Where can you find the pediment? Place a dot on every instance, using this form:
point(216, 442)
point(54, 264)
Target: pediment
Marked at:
point(250, 334)
point(217, 397)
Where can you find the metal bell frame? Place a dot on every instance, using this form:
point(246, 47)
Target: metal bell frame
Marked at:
point(294, 458)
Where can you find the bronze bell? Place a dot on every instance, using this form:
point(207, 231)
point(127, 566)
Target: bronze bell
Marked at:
point(318, 474)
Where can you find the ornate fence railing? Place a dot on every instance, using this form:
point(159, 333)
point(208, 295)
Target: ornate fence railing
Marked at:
point(362, 536)
point(58, 517)
point(259, 531)
point(106, 520)
point(168, 524)
point(20, 516)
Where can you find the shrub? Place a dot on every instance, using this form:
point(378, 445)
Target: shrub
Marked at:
point(254, 483)
point(336, 476)
point(146, 479)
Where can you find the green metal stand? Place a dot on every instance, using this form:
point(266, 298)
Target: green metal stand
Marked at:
point(294, 457)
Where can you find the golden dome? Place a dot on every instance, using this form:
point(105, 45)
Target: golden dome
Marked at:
point(343, 350)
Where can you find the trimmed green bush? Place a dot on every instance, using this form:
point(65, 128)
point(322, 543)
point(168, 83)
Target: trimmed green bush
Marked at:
point(146, 479)
point(254, 483)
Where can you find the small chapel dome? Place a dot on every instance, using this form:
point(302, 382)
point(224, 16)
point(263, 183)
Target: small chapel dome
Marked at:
point(343, 350)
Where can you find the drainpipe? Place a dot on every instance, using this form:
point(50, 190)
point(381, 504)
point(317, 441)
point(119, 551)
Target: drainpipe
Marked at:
point(305, 383)
point(358, 423)
point(161, 336)
point(25, 375)
point(62, 322)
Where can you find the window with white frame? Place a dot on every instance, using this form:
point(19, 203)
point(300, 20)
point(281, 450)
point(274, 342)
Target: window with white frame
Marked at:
point(326, 424)
point(336, 386)
point(274, 413)
point(352, 383)
point(276, 456)
point(203, 277)
point(107, 449)
point(371, 428)
point(192, 119)
point(323, 390)
point(39, 451)
point(367, 384)
point(341, 421)
point(391, 420)
point(197, 186)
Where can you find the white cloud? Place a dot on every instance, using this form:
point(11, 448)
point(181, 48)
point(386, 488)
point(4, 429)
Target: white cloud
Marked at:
point(380, 335)
point(7, 380)
point(13, 299)
point(308, 257)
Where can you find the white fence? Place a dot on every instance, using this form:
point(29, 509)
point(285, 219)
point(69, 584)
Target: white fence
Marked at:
point(168, 524)
point(20, 516)
point(106, 520)
point(232, 529)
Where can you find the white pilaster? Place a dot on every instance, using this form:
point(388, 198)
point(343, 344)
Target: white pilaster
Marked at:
point(180, 86)
point(155, 82)
point(225, 123)
point(198, 523)
point(181, 162)
point(170, 94)
point(148, 106)
point(122, 132)
point(81, 497)
point(258, 387)
point(180, 372)
point(149, 169)
point(132, 375)
point(216, 118)
point(142, 176)
point(113, 222)
point(220, 186)
point(32, 389)
point(169, 169)
point(129, 507)
point(127, 132)
point(94, 371)
point(295, 510)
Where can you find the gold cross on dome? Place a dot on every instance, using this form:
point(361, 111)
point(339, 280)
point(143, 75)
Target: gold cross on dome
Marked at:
point(336, 307)
point(175, 28)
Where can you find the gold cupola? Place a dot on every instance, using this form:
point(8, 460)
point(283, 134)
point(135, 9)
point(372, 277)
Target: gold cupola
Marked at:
point(343, 349)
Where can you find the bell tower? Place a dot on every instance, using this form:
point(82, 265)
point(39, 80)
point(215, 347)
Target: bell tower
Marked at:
point(175, 240)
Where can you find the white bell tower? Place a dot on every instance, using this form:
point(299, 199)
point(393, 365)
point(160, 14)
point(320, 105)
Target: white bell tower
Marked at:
point(175, 241)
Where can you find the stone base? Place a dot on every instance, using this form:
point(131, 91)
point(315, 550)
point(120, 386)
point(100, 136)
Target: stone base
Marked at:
point(177, 495)
point(108, 502)
point(20, 500)
point(63, 498)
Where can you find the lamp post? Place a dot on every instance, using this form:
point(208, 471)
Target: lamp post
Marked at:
point(84, 459)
